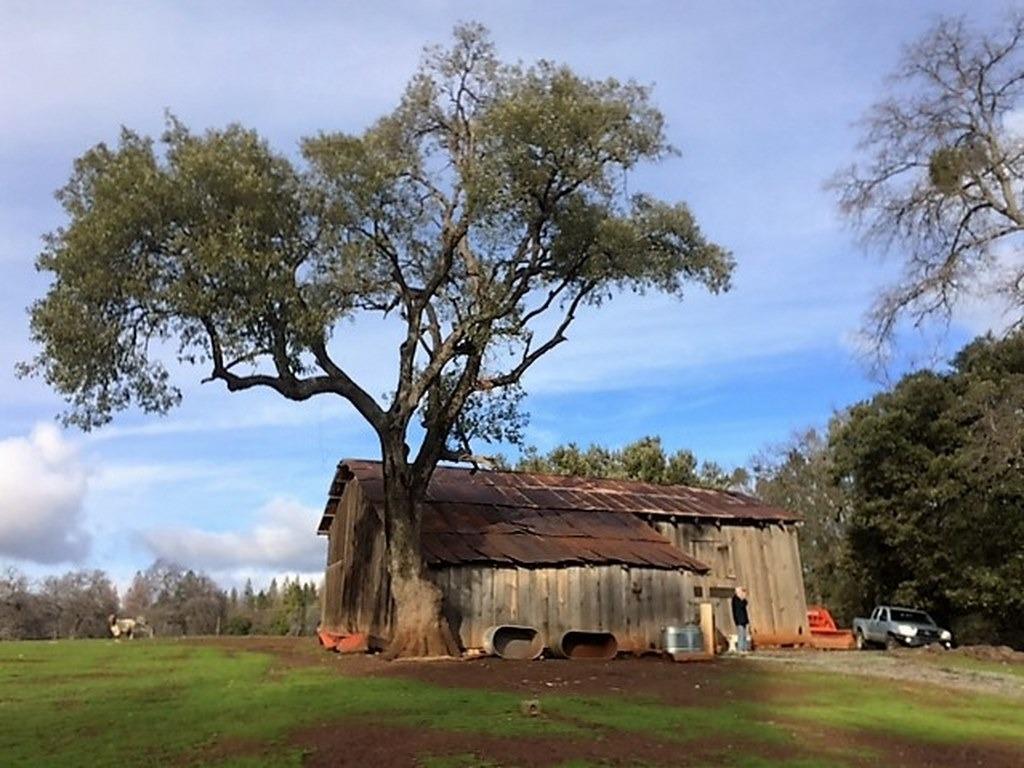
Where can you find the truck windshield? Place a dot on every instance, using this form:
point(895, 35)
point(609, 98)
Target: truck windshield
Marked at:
point(914, 617)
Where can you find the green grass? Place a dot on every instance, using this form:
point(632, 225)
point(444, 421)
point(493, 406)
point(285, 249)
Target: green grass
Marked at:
point(91, 703)
point(97, 703)
point(917, 713)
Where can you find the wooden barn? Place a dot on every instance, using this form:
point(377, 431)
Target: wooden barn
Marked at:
point(561, 553)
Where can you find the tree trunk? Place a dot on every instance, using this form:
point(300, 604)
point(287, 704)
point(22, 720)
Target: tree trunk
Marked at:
point(419, 627)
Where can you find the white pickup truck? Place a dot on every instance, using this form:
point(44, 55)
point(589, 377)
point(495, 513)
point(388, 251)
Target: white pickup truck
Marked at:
point(893, 627)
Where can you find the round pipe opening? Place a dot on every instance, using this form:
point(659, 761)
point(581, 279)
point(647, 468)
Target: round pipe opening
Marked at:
point(512, 641)
point(585, 644)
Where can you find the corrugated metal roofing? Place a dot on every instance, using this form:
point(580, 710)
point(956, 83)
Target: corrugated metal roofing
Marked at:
point(528, 490)
point(458, 532)
point(532, 519)
point(463, 523)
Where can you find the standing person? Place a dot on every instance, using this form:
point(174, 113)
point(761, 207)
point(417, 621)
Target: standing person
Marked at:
point(741, 619)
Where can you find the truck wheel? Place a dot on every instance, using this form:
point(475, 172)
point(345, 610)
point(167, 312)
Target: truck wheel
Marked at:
point(862, 644)
point(891, 643)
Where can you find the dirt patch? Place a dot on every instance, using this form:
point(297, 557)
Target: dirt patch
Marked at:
point(896, 751)
point(865, 748)
point(361, 743)
point(366, 744)
point(649, 677)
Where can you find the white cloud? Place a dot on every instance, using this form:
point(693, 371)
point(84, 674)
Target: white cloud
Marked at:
point(283, 539)
point(42, 487)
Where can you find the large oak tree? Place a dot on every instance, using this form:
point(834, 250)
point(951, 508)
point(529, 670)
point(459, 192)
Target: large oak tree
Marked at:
point(484, 213)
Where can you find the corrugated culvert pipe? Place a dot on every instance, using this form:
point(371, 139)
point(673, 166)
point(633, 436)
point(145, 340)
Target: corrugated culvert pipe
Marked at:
point(513, 641)
point(585, 644)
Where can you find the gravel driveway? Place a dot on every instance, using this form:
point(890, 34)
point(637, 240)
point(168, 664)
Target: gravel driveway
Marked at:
point(947, 669)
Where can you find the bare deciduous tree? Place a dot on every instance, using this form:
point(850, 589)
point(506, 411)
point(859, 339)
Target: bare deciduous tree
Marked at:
point(940, 182)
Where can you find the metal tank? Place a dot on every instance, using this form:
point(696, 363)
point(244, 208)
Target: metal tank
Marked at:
point(684, 639)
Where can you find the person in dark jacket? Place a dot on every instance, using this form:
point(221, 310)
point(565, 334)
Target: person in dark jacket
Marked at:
point(741, 619)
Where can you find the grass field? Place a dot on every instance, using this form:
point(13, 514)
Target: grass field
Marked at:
point(286, 703)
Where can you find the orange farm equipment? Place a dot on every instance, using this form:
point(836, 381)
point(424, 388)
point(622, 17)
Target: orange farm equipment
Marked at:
point(824, 632)
point(343, 643)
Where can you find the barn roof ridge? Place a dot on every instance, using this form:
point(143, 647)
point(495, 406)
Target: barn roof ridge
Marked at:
point(571, 492)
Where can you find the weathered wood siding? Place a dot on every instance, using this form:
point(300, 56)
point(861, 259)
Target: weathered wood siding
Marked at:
point(632, 603)
point(763, 558)
point(356, 592)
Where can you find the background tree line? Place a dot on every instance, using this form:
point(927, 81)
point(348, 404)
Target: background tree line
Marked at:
point(645, 459)
point(917, 496)
point(174, 601)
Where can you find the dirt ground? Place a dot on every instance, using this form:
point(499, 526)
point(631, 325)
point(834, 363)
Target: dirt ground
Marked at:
point(375, 745)
point(363, 743)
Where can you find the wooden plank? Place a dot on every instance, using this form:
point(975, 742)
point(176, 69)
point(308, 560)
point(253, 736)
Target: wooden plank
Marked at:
point(576, 611)
point(770, 578)
point(546, 585)
point(650, 616)
point(611, 591)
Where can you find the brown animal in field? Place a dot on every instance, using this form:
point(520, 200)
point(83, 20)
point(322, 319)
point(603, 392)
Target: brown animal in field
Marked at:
point(128, 628)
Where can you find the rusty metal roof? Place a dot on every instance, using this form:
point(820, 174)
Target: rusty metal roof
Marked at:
point(526, 518)
point(458, 533)
point(461, 526)
point(538, 491)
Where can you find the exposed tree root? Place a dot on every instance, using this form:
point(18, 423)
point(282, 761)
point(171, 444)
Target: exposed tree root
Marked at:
point(421, 630)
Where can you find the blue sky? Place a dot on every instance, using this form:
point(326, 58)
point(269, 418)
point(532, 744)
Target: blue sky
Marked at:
point(760, 97)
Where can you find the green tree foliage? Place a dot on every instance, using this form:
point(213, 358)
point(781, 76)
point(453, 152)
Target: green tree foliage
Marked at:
point(644, 459)
point(291, 608)
point(482, 214)
point(933, 472)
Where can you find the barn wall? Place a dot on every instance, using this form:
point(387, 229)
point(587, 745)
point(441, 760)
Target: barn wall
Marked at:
point(633, 603)
point(765, 559)
point(356, 592)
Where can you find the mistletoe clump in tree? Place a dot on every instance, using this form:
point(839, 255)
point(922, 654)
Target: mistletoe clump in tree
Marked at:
point(483, 212)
